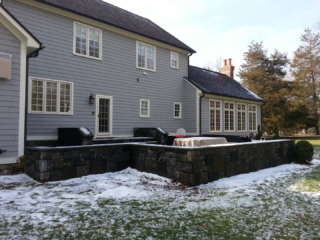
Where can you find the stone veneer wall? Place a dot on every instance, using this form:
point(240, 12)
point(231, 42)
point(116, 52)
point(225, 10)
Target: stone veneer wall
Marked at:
point(62, 163)
point(200, 165)
point(189, 166)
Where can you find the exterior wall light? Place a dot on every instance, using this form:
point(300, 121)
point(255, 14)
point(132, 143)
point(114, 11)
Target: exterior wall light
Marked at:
point(91, 98)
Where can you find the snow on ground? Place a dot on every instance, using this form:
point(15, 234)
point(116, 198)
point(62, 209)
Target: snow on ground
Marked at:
point(28, 202)
point(127, 185)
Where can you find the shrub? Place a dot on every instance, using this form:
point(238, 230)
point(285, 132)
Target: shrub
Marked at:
point(259, 134)
point(303, 152)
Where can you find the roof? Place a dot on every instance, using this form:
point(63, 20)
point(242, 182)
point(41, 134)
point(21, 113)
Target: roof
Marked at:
point(219, 84)
point(112, 15)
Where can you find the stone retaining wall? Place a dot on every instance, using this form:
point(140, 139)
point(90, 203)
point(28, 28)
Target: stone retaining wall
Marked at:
point(189, 166)
point(195, 166)
point(62, 163)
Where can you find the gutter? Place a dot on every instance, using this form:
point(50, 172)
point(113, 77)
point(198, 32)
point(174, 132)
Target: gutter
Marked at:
point(31, 55)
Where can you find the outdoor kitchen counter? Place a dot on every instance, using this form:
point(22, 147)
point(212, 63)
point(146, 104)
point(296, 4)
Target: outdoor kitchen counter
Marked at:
point(198, 141)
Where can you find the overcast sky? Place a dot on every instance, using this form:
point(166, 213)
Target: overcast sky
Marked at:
point(225, 28)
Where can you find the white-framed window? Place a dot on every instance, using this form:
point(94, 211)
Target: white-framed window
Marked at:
point(50, 96)
point(241, 111)
point(177, 110)
point(229, 116)
point(87, 41)
point(252, 111)
point(146, 56)
point(144, 108)
point(174, 60)
point(215, 115)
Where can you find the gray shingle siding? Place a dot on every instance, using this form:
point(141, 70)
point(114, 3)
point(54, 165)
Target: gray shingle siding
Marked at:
point(9, 96)
point(116, 75)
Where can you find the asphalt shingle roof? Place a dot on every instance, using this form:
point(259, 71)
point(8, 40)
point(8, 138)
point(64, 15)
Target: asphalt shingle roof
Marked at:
point(112, 15)
point(219, 84)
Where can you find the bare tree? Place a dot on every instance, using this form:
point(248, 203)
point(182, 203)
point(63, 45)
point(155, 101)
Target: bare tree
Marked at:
point(215, 65)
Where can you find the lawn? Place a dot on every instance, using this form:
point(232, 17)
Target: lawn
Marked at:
point(277, 203)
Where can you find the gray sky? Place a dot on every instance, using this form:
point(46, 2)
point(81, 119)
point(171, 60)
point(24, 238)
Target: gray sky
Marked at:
point(225, 28)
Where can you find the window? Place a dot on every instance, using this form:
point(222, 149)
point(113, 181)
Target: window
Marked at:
point(215, 115)
point(228, 116)
point(177, 110)
point(174, 60)
point(241, 117)
point(87, 41)
point(50, 96)
point(146, 56)
point(144, 108)
point(252, 118)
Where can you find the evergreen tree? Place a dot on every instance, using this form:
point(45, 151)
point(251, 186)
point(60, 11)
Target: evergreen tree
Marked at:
point(264, 75)
point(305, 69)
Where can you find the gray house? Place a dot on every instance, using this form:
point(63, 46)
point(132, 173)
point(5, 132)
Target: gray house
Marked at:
point(109, 70)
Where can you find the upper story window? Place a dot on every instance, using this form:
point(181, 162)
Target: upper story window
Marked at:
point(228, 116)
point(145, 108)
point(252, 117)
point(215, 115)
point(177, 110)
point(241, 110)
point(87, 41)
point(146, 56)
point(174, 60)
point(51, 96)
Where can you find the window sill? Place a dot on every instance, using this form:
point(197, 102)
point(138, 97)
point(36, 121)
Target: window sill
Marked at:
point(84, 56)
point(145, 69)
point(57, 114)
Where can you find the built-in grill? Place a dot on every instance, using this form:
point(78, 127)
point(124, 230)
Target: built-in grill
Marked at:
point(74, 136)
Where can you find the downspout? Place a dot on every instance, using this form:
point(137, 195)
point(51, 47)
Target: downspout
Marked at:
point(200, 113)
point(31, 55)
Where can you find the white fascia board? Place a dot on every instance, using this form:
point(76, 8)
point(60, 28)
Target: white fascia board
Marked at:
point(13, 26)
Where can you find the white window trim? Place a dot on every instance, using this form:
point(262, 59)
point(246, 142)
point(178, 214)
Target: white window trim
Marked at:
point(175, 67)
point(180, 110)
point(44, 97)
point(148, 114)
point(214, 100)
point(154, 60)
point(88, 52)
point(245, 118)
point(256, 112)
point(234, 116)
point(97, 134)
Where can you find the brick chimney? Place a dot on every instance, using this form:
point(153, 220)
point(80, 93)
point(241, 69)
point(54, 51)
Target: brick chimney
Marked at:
point(227, 68)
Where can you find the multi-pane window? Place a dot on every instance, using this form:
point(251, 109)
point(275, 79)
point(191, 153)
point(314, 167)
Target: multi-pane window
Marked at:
point(174, 60)
point(241, 110)
point(229, 116)
point(146, 56)
point(252, 117)
point(215, 115)
point(144, 108)
point(50, 96)
point(87, 41)
point(177, 110)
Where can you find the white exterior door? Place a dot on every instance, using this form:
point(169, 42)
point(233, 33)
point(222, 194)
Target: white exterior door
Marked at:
point(103, 115)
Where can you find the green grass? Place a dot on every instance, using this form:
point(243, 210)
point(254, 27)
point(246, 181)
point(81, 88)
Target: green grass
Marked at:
point(314, 142)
